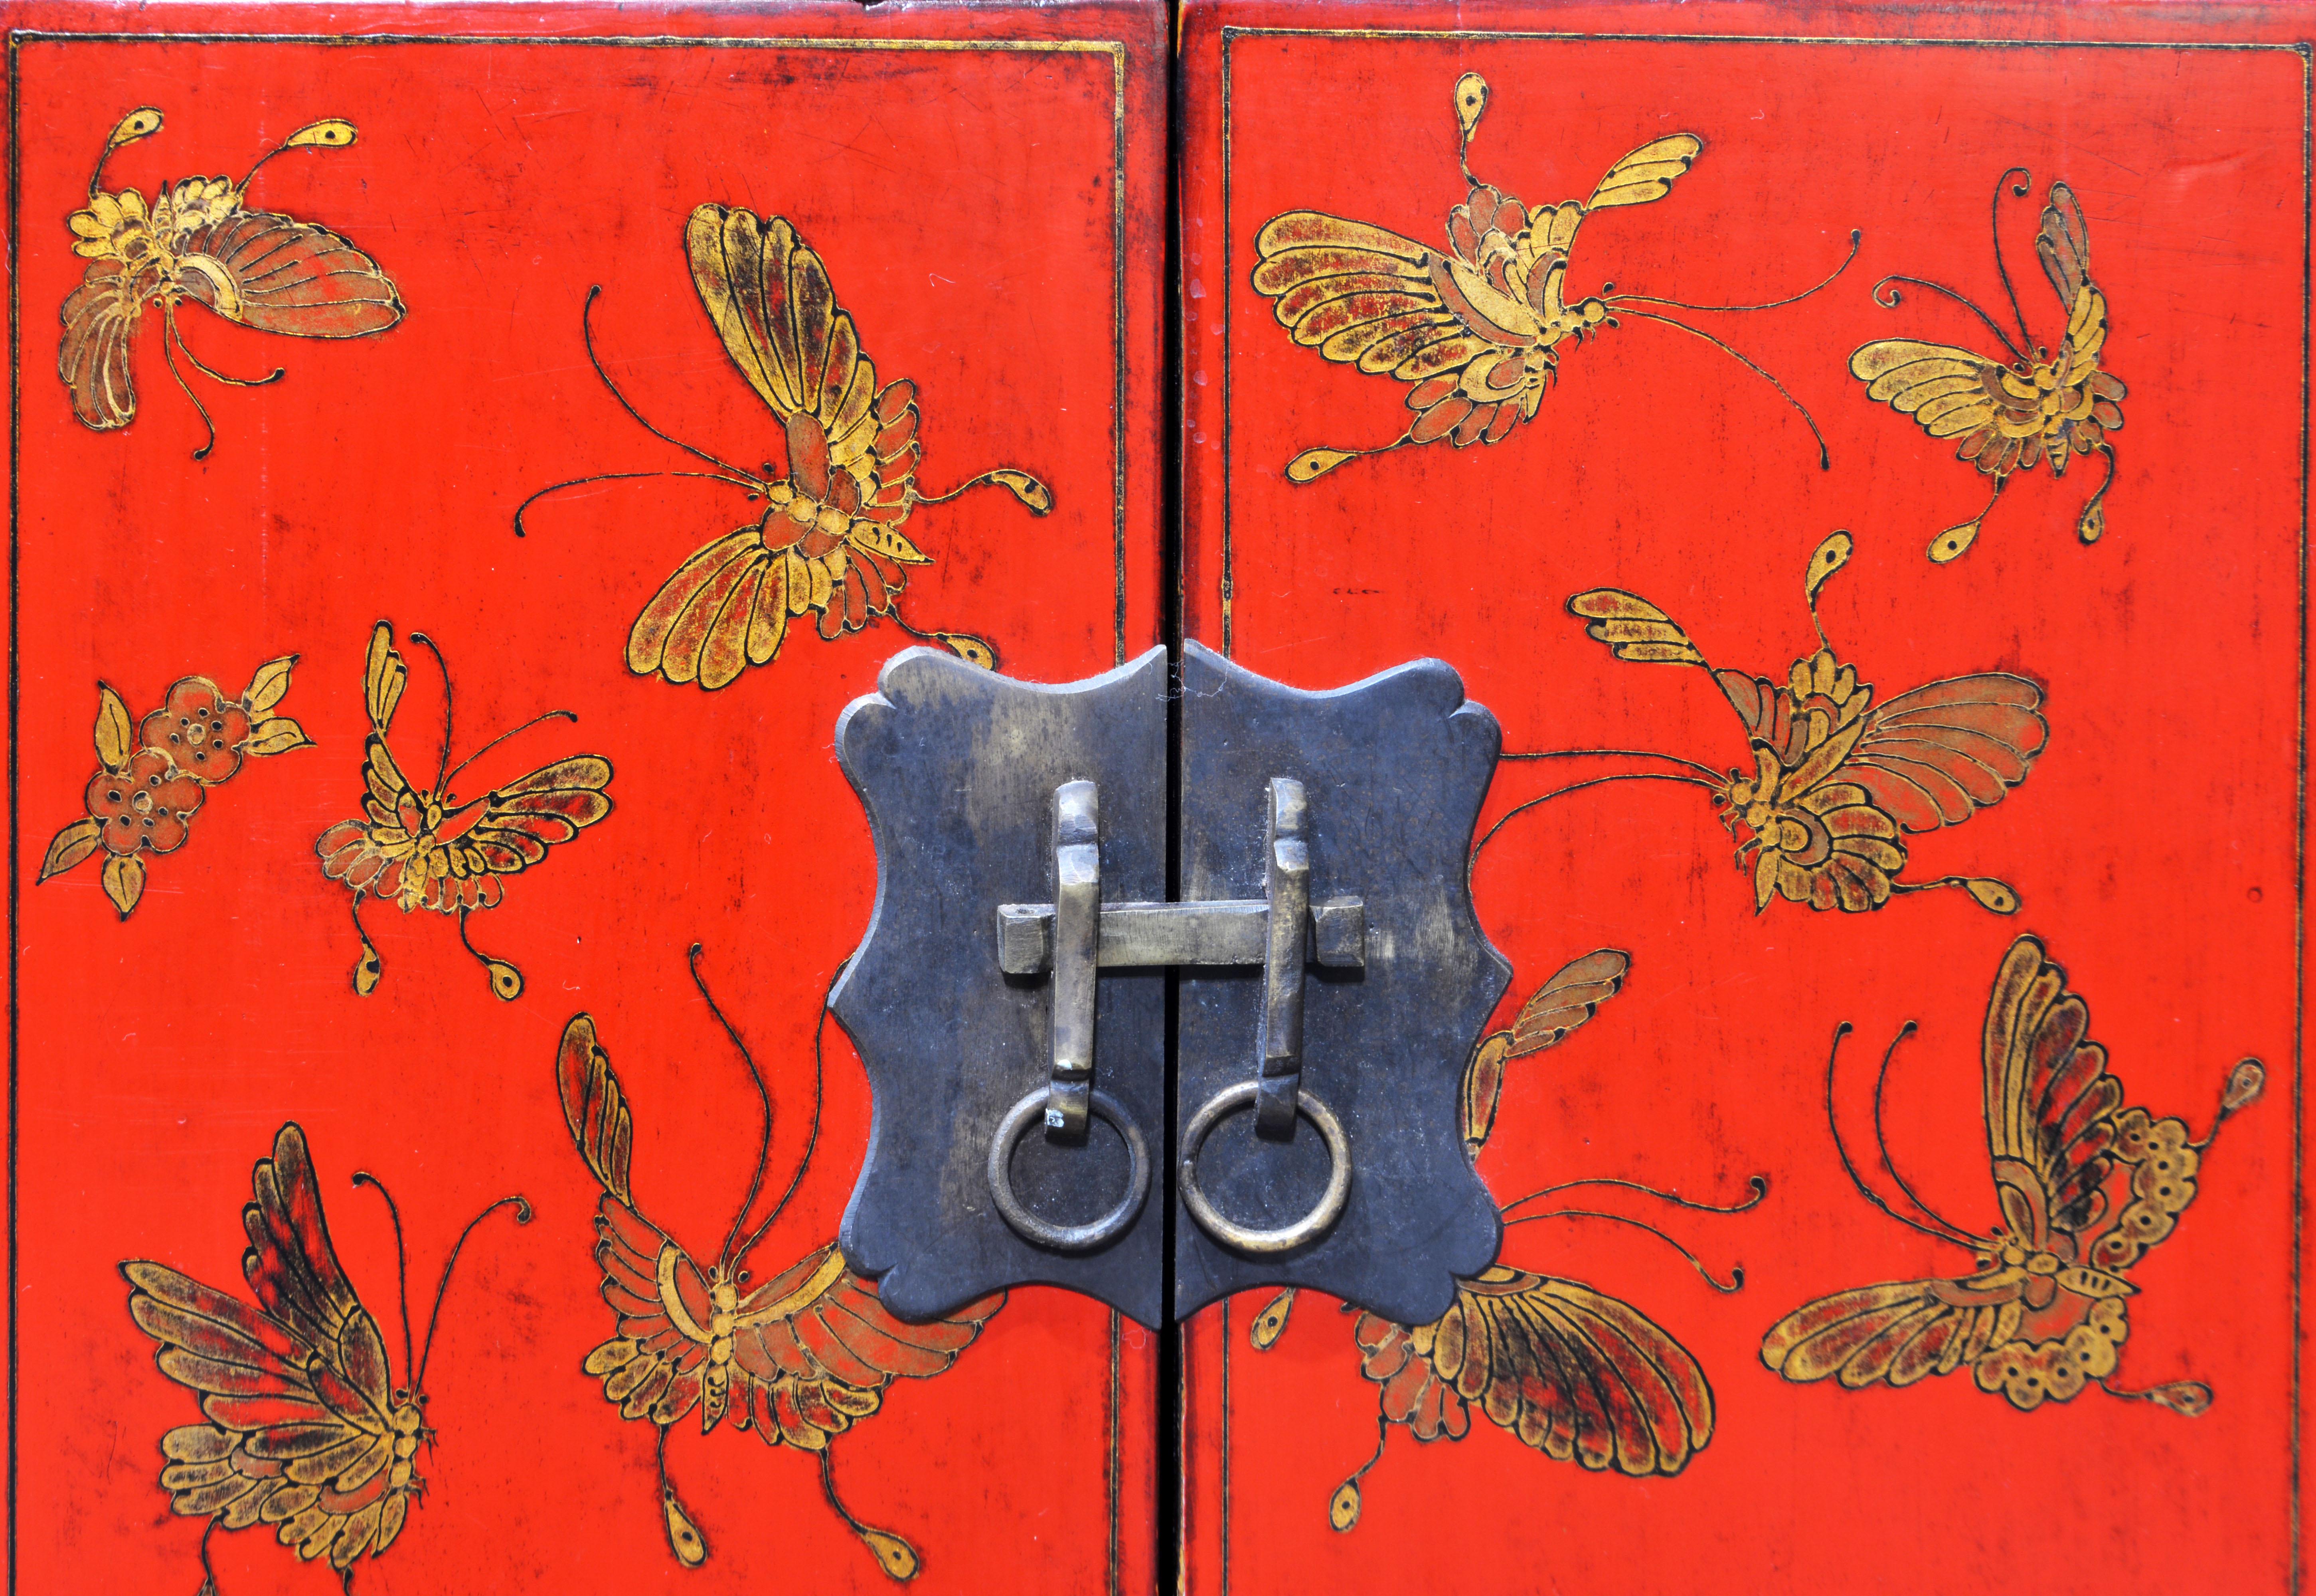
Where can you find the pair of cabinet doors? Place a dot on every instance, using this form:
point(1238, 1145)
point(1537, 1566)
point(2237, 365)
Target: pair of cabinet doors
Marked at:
point(1735, 399)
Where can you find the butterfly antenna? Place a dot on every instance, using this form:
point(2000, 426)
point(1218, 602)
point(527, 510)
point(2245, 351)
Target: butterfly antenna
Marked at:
point(362, 1177)
point(276, 375)
point(169, 354)
point(1758, 1184)
point(1881, 1142)
point(535, 720)
point(141, 123)
point(1314, 463)
point(1824, 459)
point(1857, 238)
point(812, 1137)
point(1994, 225)
point(329, 133)
point(522, 1207)
point(587, 336)
point(684, 1537)
point(1894, 299)
point(763, 1096)
point(2245, 1083)
point(1029, 489)
point(754, 489)
point(1736, 1270)
point(1849, 1169)
point(897, 1556)
point(2092, 523)
point(1343, 1506)
point(442, 771)
point(1609, 754)
point(1473, 863)
point(1471, 105)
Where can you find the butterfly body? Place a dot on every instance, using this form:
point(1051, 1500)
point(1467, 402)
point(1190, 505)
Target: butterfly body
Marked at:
point(2084, 1186)
point(199, 242)
point(2034, 407)
point(418, 848)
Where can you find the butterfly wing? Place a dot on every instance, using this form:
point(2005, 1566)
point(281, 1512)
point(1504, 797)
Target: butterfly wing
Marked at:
point(1936, 756)
point(1646, 174)
point(1571, 995)
point(1952, 393)
point(516, 827)
point(2051, 1104)
point(654, 1366)
point(2063, 243)
point(1575, 1374)
point(367, 853)
point(101, 318)
point(296, 1391)
point(1364, 295)
point(818, 1348)
point(281, 275)
point(1899, 1332)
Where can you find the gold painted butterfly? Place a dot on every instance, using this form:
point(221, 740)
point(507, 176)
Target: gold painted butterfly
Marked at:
point(421, 848)
point(198, 243)
point(2011, 415)
point(304, 1428)
point(1474, 333)
point(1571, 1372)
point(829, 543)
point(799, 1359)
point(2085, 1188)
point(1837, 780)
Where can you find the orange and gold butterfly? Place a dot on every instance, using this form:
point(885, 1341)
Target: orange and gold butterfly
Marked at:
point(829, 542)
point(2085, 1187)
point(423, 849)
point(198, 242)
point(1837, 780)
point(304, 1428)
point(799, 1359)
point(2011, 416)
point(1571, 1372)
point(1474, 333)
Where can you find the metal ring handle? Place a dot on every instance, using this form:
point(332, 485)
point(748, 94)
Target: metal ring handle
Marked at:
point(1311, 1225)
point(1068, 1238)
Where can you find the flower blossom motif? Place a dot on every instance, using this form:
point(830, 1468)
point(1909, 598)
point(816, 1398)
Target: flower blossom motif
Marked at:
point(153, 775)
point(200, 730)
point(145, 806)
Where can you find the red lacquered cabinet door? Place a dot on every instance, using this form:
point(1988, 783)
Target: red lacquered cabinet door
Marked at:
point(1862, 675)
point(629, 384)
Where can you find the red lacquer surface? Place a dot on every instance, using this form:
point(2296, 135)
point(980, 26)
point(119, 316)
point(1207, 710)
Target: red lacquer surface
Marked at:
point(960, 174)
point(2155, 844)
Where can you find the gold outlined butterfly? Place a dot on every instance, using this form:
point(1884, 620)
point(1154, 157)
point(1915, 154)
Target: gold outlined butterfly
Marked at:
point(421, 849)
point(304, 1428)
point(798, 1358)
point(829, 542)
point(1839, 781)
point(196, 243)
point(1474, 333)
point(2012, 416)
point(2085, 1187)
point(1571, 1372)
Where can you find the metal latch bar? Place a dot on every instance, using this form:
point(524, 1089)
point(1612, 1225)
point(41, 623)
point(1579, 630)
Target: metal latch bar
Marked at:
point(1217, 932)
